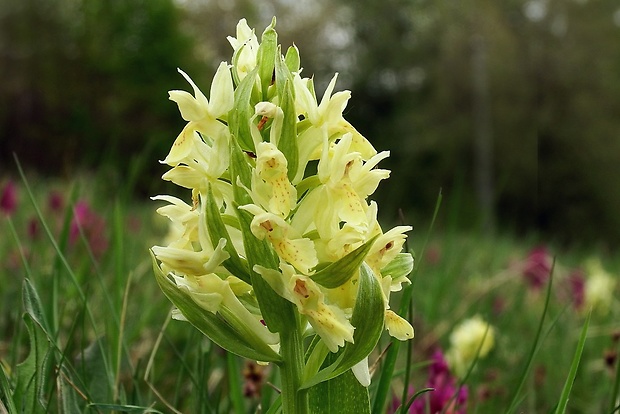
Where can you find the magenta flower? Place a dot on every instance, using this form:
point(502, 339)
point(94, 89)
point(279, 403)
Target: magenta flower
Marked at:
point(537, 267)
point(91, 225)
point(446, 397)
point(55, 201)
point(8, 199)
point(33, 228)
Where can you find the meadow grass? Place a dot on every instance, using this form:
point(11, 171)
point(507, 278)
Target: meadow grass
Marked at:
point(85, 328)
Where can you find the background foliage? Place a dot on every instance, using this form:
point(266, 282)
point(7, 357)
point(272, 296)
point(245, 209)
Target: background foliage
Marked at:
point(510, 107)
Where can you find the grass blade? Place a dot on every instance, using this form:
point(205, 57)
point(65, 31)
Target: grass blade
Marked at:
point(236, 395)
point(6, 390)
point(532, 353)
point(387, 369)
point(561, 409)
point(613, 403)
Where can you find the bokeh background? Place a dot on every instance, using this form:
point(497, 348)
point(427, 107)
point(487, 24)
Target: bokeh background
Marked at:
point(511, 108)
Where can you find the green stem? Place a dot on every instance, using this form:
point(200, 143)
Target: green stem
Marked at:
point(294, 400)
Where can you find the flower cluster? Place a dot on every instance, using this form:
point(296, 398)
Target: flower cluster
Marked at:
point(279, 202)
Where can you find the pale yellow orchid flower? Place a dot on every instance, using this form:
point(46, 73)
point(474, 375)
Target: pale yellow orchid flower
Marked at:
point(271, 184)
point(202, 115)
point(329, 321)
point(245, 47)
point(215, 294)
point(290, 246)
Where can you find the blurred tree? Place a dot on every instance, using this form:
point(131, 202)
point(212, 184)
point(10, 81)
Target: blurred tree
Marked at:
point(552, 88)
point(321, 29)
point(85, 82)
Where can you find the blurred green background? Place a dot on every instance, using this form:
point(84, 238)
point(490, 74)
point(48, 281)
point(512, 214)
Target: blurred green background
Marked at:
point(511, 107)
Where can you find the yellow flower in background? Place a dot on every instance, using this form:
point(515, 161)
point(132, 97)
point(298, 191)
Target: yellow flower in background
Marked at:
point(599, 288)
point(472, 339)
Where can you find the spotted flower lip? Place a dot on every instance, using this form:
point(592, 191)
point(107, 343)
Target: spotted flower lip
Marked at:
point(328, 320)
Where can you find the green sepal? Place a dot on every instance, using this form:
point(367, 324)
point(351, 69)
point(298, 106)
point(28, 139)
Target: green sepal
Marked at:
point(277, 311)
point(240, 173)
point(340, 271)
point(342, 394)
point(292, 59)
point(400, 266)
point(283, 75)
point(213, 327)
point(235, 264)
point(266, 57)
point(367, 318)
point(288, 138)
point(287, 142)
point(242, 112)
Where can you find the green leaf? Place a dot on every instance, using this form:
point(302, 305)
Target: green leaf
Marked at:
point(91, 365)
point(211, 325)
point(277, 311)
point(32, 305)
point(368, 317)
point(67, 396)
point(342, 394)
point(239, 117)
point(217, 230)
point(33, 372)
point(315, 356)
point(276, 407)
point(266, 57)
point(561, 409)
point(340, 271)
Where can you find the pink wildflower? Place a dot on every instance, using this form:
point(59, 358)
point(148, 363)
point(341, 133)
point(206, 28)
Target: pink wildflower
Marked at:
point(537, 267)
point(8, 199)
point(92, 225)
point(446, 397)
point(55, 201)
point(33, 228)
